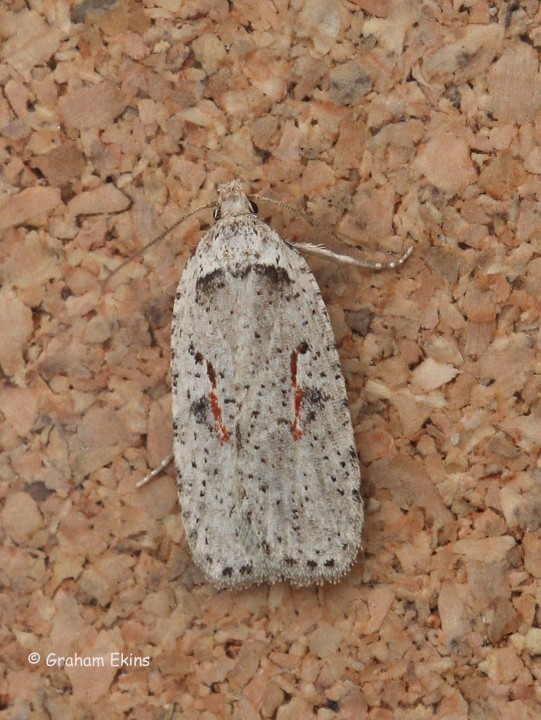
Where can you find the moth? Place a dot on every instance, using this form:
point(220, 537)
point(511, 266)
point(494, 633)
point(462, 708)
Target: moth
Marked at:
point(266, 463)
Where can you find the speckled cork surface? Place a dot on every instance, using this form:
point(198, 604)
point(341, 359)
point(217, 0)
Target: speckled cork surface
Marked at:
point(387, 124)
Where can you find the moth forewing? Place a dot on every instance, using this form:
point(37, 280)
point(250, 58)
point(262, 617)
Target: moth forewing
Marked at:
point(267, 468)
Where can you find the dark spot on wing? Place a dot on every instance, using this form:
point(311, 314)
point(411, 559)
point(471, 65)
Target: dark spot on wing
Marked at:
point(200, 410)
point(274, 274)
point(314, 401)
point(206, 285)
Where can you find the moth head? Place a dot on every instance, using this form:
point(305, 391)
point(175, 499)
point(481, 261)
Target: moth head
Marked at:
point(232, 201)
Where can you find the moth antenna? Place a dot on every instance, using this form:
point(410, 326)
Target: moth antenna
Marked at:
point(157, 470)
point(322, 251)
point(157, 239)
point(284, 205)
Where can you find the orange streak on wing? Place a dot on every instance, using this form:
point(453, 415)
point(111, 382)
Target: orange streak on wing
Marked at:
point(299, 392)
point(223, 432)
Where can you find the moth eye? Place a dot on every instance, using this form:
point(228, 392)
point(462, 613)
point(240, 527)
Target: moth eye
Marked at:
point(253, 207)
point(217, 214)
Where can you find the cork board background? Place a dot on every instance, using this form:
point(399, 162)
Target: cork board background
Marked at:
point(388, 124)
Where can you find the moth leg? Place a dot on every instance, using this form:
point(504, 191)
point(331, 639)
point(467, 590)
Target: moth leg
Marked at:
point(348, 260)
point(157, 470)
